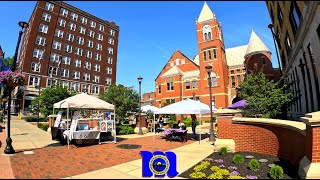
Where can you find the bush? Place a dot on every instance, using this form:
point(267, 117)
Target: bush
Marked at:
point(236, 177)
point(215, 168)
point(199, 168)
point(124, 129)
point(35, 119)
point(276, 172)
point(1, 119)
point(223, 151)
point(208, 121)
point(197, 175)
point(187, 122)
point(238, 159)
point(205, 164)
point(43, 126)
point(223, 172)
point(215, 176)
point(254, 165)
point(172, 122)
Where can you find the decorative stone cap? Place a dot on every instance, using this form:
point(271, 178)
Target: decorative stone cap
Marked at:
point(312, 119)
point(226, 112)
point(52, 115)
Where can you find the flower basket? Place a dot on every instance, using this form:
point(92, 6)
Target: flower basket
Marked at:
point(10, 82)
point(11, 79)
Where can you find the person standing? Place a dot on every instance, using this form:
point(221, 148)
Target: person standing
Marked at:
point(193, 125)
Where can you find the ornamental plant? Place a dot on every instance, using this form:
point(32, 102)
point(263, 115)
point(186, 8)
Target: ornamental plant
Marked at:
point(15, 77)
point(223, 151)
point(254, 165)
point(199, 168)
point(251, 177)
point(231, 168)
point(234, 173)
point(205, 164)
point(215, 176)
point(238, 159)
point(276, 172)
point(224, 172)
point(215, 168)
point(219, 161)
point(235, 177)
point(197, 175)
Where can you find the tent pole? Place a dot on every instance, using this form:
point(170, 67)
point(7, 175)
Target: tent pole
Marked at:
point(115, 128)
point(67, 125)
point(154, 125)
point(200, 129)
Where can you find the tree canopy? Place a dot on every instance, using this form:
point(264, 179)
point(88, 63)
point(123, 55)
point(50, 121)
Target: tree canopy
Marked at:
point(8, 61)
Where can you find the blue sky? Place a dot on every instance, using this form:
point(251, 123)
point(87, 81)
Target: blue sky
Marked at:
point(150, 32)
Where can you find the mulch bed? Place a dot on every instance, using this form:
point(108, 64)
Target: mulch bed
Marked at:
point(290, 171)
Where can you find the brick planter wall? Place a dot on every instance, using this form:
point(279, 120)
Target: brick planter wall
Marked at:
point(265, 139)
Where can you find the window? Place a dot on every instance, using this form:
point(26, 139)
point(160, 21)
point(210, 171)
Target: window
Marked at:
point(82, 30)
point(99, 36)
point(77, 63)
point(159, 89)
point(263, 58)
point(288, 44)
point(88, 54)
point(92, 24)
point(49, 6)
point(209, 54)
point(294, 16)
point(215, 53)
point(283, 59)
point(188, 85)
point(204, 55)
point(90, 44)
point(46, 17)
point(271, 13)
point(80, 40)
point(66, 60)
point(35, 67)
point(112, 32)
point(109, 60)
point(87, 65)
point(183, 61)
point(56, 45)
point(99, 47)
point(239, 79)
point(238, 70)
point(233, 81)
point(101, 27)
point(95, 89)
point(232, 72)
point(280, 16)
point(91, 33)
point(64, 12)
point(111, 41)
point(206, 30)
point(33, 81)
point(64, 72)
point(74, 16)
point(43, 28)
point(171, 64)
point(72, 26)
point(108, 81)
point(98, 57)
point(214, 79)
point(109, 70)
point(67, 48)
point(69, 37)
point(110, 50)
point(78, 51)
point(97, 67)
point(85, 88)
point(75, 86)
point(219, 33)
point(51, 82)
point(37, 53)
point(96, 79)
point(65, 84)
point(58, 33)
point(61, 22)
point(40, 40)
point(76, 75)
point(83, 20)
point(170, 84)
point(318, 31)
point(52, 71)
point(194, 84)
point(86, 76)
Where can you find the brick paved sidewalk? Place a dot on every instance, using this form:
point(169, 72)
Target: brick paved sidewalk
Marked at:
point(59, 162)
point(5, 166)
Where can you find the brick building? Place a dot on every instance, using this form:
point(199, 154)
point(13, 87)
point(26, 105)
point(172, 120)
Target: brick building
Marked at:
point(297, 32)
point(66, 44)
point(148, 98)
point(183, 78)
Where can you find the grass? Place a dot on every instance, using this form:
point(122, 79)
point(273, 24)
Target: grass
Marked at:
point(43, 126)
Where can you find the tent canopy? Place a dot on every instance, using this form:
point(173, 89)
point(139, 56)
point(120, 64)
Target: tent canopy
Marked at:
point(187, 106)
point(83, 101)
point(150, 108)
point(238, 104)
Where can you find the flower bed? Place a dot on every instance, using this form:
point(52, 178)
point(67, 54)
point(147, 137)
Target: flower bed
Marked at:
point(223, 167)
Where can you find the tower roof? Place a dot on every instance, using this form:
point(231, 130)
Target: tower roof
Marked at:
point(256, 45)
point(205, 14)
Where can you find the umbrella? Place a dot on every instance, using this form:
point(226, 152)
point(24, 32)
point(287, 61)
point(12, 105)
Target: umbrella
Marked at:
point(238, 104)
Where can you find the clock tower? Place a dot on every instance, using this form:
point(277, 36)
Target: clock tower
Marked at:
point(211, 51)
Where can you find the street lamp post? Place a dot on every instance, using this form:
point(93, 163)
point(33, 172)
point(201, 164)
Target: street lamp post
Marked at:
point(274, 40)
point(193, 94)
point(209, 69)
point(9, 149)
point(140, 130)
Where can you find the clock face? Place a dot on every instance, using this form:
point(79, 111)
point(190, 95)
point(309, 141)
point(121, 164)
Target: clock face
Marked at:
point(206, 28)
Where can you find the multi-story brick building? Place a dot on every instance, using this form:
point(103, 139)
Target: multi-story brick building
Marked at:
point(148, 98)
point(297, 31)
point(183, 78)
point(66, 44)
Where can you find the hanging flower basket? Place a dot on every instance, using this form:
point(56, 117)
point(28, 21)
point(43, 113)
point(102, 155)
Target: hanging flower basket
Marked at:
point(12, 79)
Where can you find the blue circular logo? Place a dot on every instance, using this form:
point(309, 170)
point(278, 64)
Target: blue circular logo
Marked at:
point(159, 164)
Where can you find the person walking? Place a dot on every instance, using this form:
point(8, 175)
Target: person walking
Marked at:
point(193, 125)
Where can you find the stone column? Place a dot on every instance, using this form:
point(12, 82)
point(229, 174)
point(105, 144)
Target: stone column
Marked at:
point(309, 166)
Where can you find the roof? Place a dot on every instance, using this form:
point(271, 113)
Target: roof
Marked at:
point(191, 74)
point(172, 72)
point(205, 14)
point(235, 55)
point(256, 45)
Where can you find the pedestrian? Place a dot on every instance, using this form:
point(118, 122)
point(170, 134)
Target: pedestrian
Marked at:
point(193, 125)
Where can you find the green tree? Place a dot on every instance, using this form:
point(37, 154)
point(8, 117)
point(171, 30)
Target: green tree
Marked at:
point(125, 99)
point(264, 97)
point(8, 61)
point(48, 97)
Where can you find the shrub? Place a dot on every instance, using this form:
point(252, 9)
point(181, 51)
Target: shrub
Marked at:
point(231, 168)
point(236, 177)
point(197, 175)
point(199, 168)
point(238, 159)
point(43, 126)
point(124, 129)
point(1, 119)
point(251, 177)
point(254, 165)
point(215, 168)
point(224, 172)
point(234, 173)
point(206, 164)
point(276, 172)
point(172, 122)
point(218, 161)
point(35, 119)
point(215, 176)
point(223, 151)
point(187, 122)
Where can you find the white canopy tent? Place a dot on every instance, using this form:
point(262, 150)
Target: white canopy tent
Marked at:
point(150, 108)
point(84, 101)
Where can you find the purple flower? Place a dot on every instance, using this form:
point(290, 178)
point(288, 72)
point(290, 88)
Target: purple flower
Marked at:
point(251, 177)
point(221, 165)
point(218, 161)
point(231, 168)
point(235, 173)
point(16, 76)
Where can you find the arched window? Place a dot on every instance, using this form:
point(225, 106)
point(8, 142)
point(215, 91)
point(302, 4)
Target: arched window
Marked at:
point(209, 35)
point(206, 30)
point(214, 81)
point(205, 36)
point(170, 84)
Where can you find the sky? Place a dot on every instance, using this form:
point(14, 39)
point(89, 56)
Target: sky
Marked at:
point(150, 31)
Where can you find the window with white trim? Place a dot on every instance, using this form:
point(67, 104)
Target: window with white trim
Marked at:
point(56, 45)
point(37, 53)
point(85, 88)
point(75, 86)
point(76, 75)
point(96, 79)
point(66, 60)
point(83, 20)
point(87, 65)
point(92, 24)
point(50, 82)
point(65, 84)
point(109, 60)
point(97, 67)
point(88, 54)
point(69, 37)
point(52, 71)
point(64, 72)
point(111, 41)
point(54, 57)
point(77, 63)
point(78, 51)
point(80, 40)
point(61, 22)
point(110, 50)
point(58, 33)
point(95, 89)
point(74, 16)
point(43, 28)
point(99, 46)
point(101, 27)
point(214, 79)
point(99, 36)
point(64, 12)
point(49, 6)
point(67, 48)
point(72, 26)
point(109, 70)
point(177, 61)
point(40, 40)
point(171, 64)
point(86, 77)
point(35, 67)
point(98, 57)
point(82, 30)
point(90, 44)
point(33, 81)
point(112, 32)
point(91, 33)
point(46, 17)
point(108, 81)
